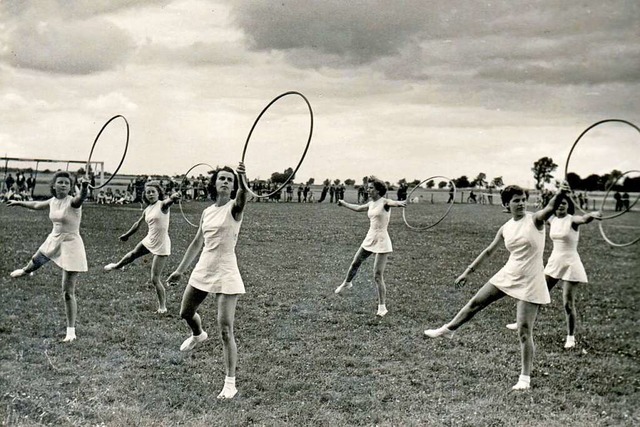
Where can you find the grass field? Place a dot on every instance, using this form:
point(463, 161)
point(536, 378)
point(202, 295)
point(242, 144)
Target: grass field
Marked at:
point(306, 355)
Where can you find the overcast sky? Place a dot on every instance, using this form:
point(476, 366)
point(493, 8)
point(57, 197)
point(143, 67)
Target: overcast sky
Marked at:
point(399, 89)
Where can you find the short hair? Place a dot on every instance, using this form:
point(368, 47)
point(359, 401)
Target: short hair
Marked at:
point(571, 208)
point(378, 184)
point(155, 185)
point(213, 193)
point(510, 191)
point(61, 174)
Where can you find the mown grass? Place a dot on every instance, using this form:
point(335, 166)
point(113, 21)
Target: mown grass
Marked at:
point(307, 356)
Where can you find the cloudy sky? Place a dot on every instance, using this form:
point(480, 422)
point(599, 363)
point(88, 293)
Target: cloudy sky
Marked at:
point(399, 89)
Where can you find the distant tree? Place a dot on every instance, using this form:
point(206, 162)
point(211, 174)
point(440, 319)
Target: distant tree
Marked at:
point(337, 181)
point(430, 183)
point(632, 184)
point(542, 169)
point(326, 182)
point(311, 181)
point(279, 178)
point(349, 181)
point(591, 182)
point(402, 181)
point(416, 182)
point(574, 181)
point(497, 181)
point(462, 182)
point(614, 179)
point(442, 184)
point(480, 181)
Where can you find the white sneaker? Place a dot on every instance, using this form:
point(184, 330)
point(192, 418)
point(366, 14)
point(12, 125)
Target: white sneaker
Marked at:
point(228, 391)
point(69, 338)
point(110, 267)
point(161, 310)
point(344, 285)
point(512, 326)
point(382, 311)
point(18, 273)
point(571, 342)
point(192, 341)
point(442, 331)
point(521, 385)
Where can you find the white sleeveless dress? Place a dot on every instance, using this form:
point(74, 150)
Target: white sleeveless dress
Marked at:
point(157, 239)
point(377, 239)
point(64, 246)
point(217, 269)
point(564, 262)
point(522, 277)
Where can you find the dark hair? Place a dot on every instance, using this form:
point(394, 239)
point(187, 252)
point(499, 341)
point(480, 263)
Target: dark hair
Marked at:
point(378, 185)
point(61, 174)
point(510, 191)
point(155, 185)
point(571, 208)
point(213, 193)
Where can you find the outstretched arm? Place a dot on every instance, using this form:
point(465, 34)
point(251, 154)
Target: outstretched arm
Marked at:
point(241, 196)
point(396, 203)
point(34, 206)
point(586, 218)
point(353, 207)
point(461, 280)
point(189, 256)
point(133, 229)
point(77, 201)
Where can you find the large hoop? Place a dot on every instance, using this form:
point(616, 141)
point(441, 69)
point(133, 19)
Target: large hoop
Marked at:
point(612, 243)
point(404, 216)
point(124, 154)
point(186, 175)
point(306, 148)
point(566, 165)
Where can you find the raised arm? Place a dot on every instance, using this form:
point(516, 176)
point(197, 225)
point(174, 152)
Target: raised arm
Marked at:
point(166, 203)
point(34, 206)
point(354, 207)
point(133, 229)
point(77, 201)
point(241, 196)
point(190, 254)
point(541, 216)
point(489, 250)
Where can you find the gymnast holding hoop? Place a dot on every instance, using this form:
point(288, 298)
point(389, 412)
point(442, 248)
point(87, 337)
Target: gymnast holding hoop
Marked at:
point(63, 246)
point(377, 240)
point(156, 242)
point(564, 263)
point(217, 269)
point(521, 278)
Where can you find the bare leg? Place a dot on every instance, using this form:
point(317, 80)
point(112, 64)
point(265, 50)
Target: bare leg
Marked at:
point(360, 256)
point(569, 300)
point(527, 313)
point(69, 279)
point(378, 276)
point(191, 300)
point(36, 261)
point(485, 296)
point(137, 252)
point(226, 316)
point(156, 272)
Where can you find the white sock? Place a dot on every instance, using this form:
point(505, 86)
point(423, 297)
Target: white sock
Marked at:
point(382, 307)
point(525, 379)
point(71, 331)
point(230, 381)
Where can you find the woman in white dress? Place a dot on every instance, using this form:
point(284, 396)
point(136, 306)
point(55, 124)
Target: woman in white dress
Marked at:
point(217, 269)
point(63, 246)
point(156, 242)
point(521, 278)
point(564, 263)
point(377, 240)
